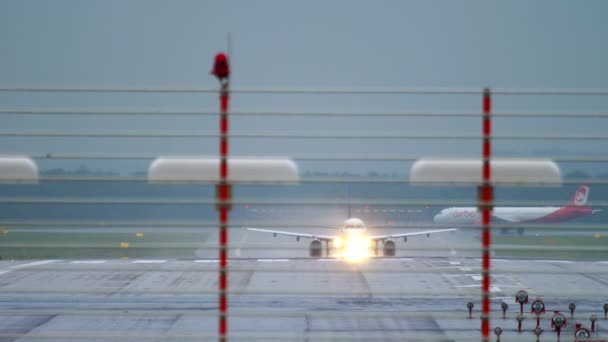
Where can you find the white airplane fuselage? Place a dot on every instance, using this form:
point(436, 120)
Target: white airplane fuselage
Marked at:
point(470, 215)
point(353, 228)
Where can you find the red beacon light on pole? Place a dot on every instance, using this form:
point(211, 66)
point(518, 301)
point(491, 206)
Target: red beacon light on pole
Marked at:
point(221, 67)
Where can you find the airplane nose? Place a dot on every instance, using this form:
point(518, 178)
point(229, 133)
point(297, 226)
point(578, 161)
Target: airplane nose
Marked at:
point(438, 218)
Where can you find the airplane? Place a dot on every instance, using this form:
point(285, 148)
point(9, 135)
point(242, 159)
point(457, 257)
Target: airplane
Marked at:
point(521, 215)
point(352, 243)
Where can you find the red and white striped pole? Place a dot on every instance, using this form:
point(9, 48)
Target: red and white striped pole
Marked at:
point(485, 207)
point(221, 70)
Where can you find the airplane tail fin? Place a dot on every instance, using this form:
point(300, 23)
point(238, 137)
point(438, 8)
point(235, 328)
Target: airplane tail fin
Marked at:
point(580, 197)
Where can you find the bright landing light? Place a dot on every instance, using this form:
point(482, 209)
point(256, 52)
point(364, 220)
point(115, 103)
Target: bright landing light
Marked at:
point(356, 248)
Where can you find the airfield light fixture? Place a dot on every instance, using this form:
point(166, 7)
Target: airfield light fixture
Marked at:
point(593, 319)
point(558, 321)
point(538, 308)
point(538, 331)
point(606, 311)
point(571, 307)
point(470, 306)
point(520, 317)
point(498, 332)
point(504, 306)
point(581, 334)
point(521, 297)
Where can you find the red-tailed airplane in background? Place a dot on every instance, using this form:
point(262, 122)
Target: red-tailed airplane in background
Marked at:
point(577, 207)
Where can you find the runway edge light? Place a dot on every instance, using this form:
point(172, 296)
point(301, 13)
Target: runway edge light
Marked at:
point(18, 170)
point(205, 170)
point(429, 171)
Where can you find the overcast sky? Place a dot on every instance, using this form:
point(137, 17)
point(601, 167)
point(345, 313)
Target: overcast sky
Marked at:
point(514, 44)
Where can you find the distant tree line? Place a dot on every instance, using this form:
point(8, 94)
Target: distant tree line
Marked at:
point(83, 170)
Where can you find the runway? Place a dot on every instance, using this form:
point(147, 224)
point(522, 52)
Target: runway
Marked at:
point(278, 293)
point(286, 299)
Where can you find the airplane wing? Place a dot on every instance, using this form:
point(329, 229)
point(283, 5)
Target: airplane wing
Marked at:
point(400, 235)
point(334, 227)
point(297, 235)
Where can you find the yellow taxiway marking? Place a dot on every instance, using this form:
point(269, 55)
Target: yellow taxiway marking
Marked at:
point(4, 231)
point(597, 235)
point(124, 245)
point(139, 234)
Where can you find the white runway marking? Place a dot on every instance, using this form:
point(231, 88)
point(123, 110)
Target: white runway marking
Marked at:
point(461, 275)
point(149, 261)
point(455, 263)
point(508, 300)
point(31, 264)
point(206, 260)
point(497, 260)
point(475, 275)
point(493, 288)
point(462, 268)
point(92, 262)
point(557, 261)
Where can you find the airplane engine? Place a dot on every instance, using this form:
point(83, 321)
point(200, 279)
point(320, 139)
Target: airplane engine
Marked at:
point(389, 248)
point(316, 248)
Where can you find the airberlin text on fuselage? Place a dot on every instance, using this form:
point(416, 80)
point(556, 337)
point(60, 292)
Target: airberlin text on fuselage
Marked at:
point(464, 214)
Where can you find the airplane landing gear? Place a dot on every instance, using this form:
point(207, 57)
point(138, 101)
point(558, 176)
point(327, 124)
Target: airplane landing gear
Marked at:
point(316, 249)
point(389, 248)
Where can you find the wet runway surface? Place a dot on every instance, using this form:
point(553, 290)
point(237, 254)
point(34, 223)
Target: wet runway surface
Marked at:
point(276, 297)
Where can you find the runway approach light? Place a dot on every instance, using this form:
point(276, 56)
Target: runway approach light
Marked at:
point(581, 334)
point(538, 308)
point(537, 331)
point(205, 170)
point(504, 306)
point(498, 332)
point(468, 171)
point(558, 321)
point(18, 170)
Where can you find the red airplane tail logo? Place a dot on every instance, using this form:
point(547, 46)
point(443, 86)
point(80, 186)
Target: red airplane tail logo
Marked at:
point(580, 197)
